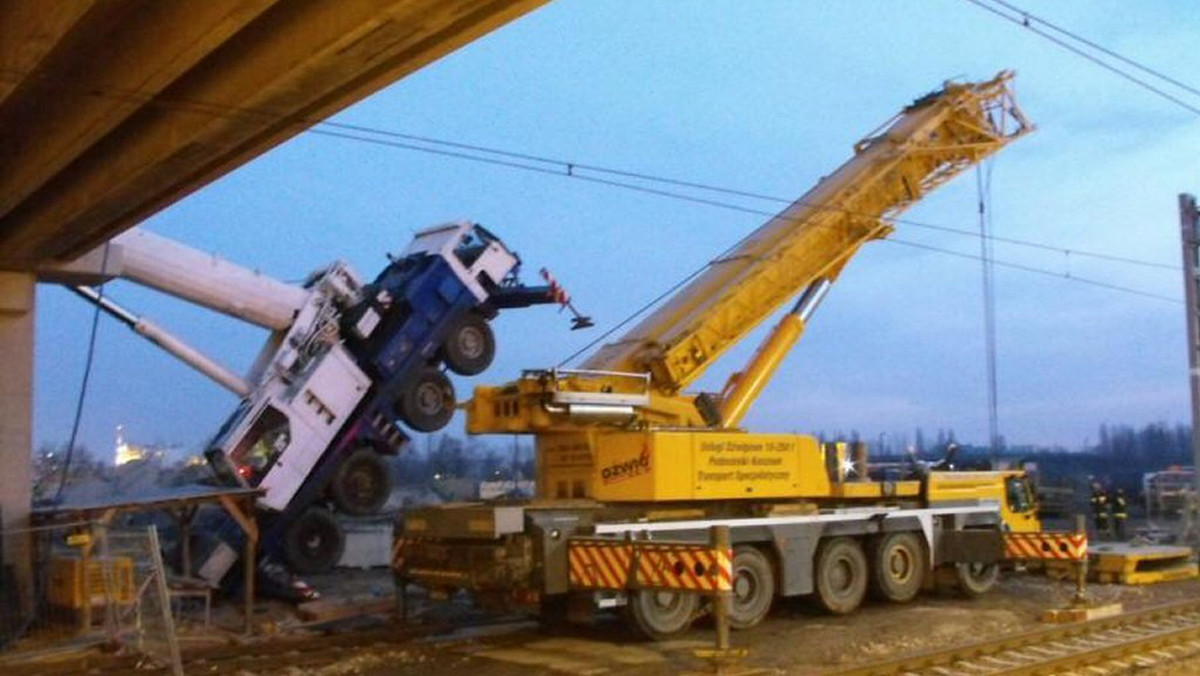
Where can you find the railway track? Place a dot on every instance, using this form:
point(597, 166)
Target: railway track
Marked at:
point(277, 656)
point(1115, 645)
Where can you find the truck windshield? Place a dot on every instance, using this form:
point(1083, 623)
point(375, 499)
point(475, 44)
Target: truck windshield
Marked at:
point(258, 451)
point(1020, 497)
point(472, 245)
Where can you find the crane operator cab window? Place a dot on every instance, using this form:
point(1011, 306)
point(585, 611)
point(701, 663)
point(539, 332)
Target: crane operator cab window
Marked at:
point(1019, 494)
point(260, 448)
point(473, 244)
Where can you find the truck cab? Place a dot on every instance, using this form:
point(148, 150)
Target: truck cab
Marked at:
point(354, 374)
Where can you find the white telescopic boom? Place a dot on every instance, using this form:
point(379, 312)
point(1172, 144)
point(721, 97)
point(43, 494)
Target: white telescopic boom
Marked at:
point(193, 275)
point(175, 268)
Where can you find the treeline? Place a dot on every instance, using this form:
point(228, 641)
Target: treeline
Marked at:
point(1120, 456)
point(443, 457)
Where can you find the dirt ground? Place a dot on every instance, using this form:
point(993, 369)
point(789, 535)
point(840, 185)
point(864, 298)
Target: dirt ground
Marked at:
point(796, 639)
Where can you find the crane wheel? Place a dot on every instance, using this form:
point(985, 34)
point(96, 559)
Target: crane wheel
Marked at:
point(362, 483)
point(428, 403)
point(897, 567)
point(841, 575)
point(314, 542)
point(753, 587)
point(659, 615)
point(470, 347)
point(976, 579)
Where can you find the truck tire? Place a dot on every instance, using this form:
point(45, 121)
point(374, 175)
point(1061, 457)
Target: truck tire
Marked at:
point(659, 615)
point(428, 403)
point(470, 347)
point(897, 567)
point(362, 483)
point(314, 542)
point(841, 575)
point(976, 579)
point(753, 587)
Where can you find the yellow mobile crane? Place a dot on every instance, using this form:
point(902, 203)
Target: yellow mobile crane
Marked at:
point(624, 452)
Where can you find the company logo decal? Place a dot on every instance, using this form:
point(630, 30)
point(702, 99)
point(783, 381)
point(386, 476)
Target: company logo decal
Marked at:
point(628, 469)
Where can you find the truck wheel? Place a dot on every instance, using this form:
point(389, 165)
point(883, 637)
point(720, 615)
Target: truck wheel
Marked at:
point(362, 483)
point(470, 347)
point(976, 579)
point(841, 575)
point(753, 587)
point(314, 542)
point(898, 567)
point(659, 615)
point(428, 403)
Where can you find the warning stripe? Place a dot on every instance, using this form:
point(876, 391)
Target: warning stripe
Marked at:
point(596, 563)
point(1046, 546)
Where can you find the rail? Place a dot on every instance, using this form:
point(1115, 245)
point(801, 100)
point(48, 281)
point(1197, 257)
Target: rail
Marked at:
point(1164, 632)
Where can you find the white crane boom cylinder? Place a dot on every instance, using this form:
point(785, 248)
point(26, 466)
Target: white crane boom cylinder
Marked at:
point(205, 279)
point(169, 342)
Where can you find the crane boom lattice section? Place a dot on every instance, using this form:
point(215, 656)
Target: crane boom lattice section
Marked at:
point(928, 143)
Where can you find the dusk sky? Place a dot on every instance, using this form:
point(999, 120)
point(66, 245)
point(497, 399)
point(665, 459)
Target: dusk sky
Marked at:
point(765, 97)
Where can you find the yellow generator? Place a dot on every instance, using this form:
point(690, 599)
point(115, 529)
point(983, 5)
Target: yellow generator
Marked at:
point(103, 580)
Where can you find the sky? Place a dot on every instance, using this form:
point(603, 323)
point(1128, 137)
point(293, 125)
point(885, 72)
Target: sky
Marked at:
point(764, 97)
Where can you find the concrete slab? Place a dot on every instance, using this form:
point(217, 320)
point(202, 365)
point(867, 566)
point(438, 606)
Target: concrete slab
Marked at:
point(1082, 613)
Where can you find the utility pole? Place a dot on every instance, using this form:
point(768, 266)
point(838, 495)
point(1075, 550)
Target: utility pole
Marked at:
point(1189, 228)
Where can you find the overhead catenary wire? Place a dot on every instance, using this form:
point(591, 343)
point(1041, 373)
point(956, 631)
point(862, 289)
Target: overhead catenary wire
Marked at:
point(574, 170)
point(1029, 16)
point(1028, 25)
point(555, 166)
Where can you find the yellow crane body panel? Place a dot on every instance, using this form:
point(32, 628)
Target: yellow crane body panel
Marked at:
point(666, 466)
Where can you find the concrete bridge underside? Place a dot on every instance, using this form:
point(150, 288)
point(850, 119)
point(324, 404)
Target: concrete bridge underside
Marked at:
point(111, 110)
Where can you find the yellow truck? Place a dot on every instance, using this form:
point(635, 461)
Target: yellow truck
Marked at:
point(634, 471)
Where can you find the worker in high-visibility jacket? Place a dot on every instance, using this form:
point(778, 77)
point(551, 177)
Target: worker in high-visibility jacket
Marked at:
point(1100, 508)
point(1120, 512)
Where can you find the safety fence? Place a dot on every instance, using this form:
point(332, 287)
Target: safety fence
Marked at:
point(89, 587)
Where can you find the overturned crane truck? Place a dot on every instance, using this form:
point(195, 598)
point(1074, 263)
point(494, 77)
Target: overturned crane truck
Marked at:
point(634, 471)
point(345, 363)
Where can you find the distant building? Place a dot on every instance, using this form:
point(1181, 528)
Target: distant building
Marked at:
point(126, 452)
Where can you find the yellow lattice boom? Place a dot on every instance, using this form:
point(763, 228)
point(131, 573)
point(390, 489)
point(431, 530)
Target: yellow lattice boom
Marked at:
point(928, 143)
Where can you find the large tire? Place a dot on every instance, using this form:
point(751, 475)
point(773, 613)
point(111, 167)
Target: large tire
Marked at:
point(470, 347)
point(898, 566)
point(659, 615)
point(362, 483)
point(314, 542)
point(841, 575)
point(427, 405)
point(976, 579)
point(753, 587)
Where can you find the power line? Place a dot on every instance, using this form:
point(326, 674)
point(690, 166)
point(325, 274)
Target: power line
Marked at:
point(1038, 271)
point(560, 167)
point(571, 170)
point(1025, 23)
point(1100, 48)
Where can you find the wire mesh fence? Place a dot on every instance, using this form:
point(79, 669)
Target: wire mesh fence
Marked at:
point(90, 587)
